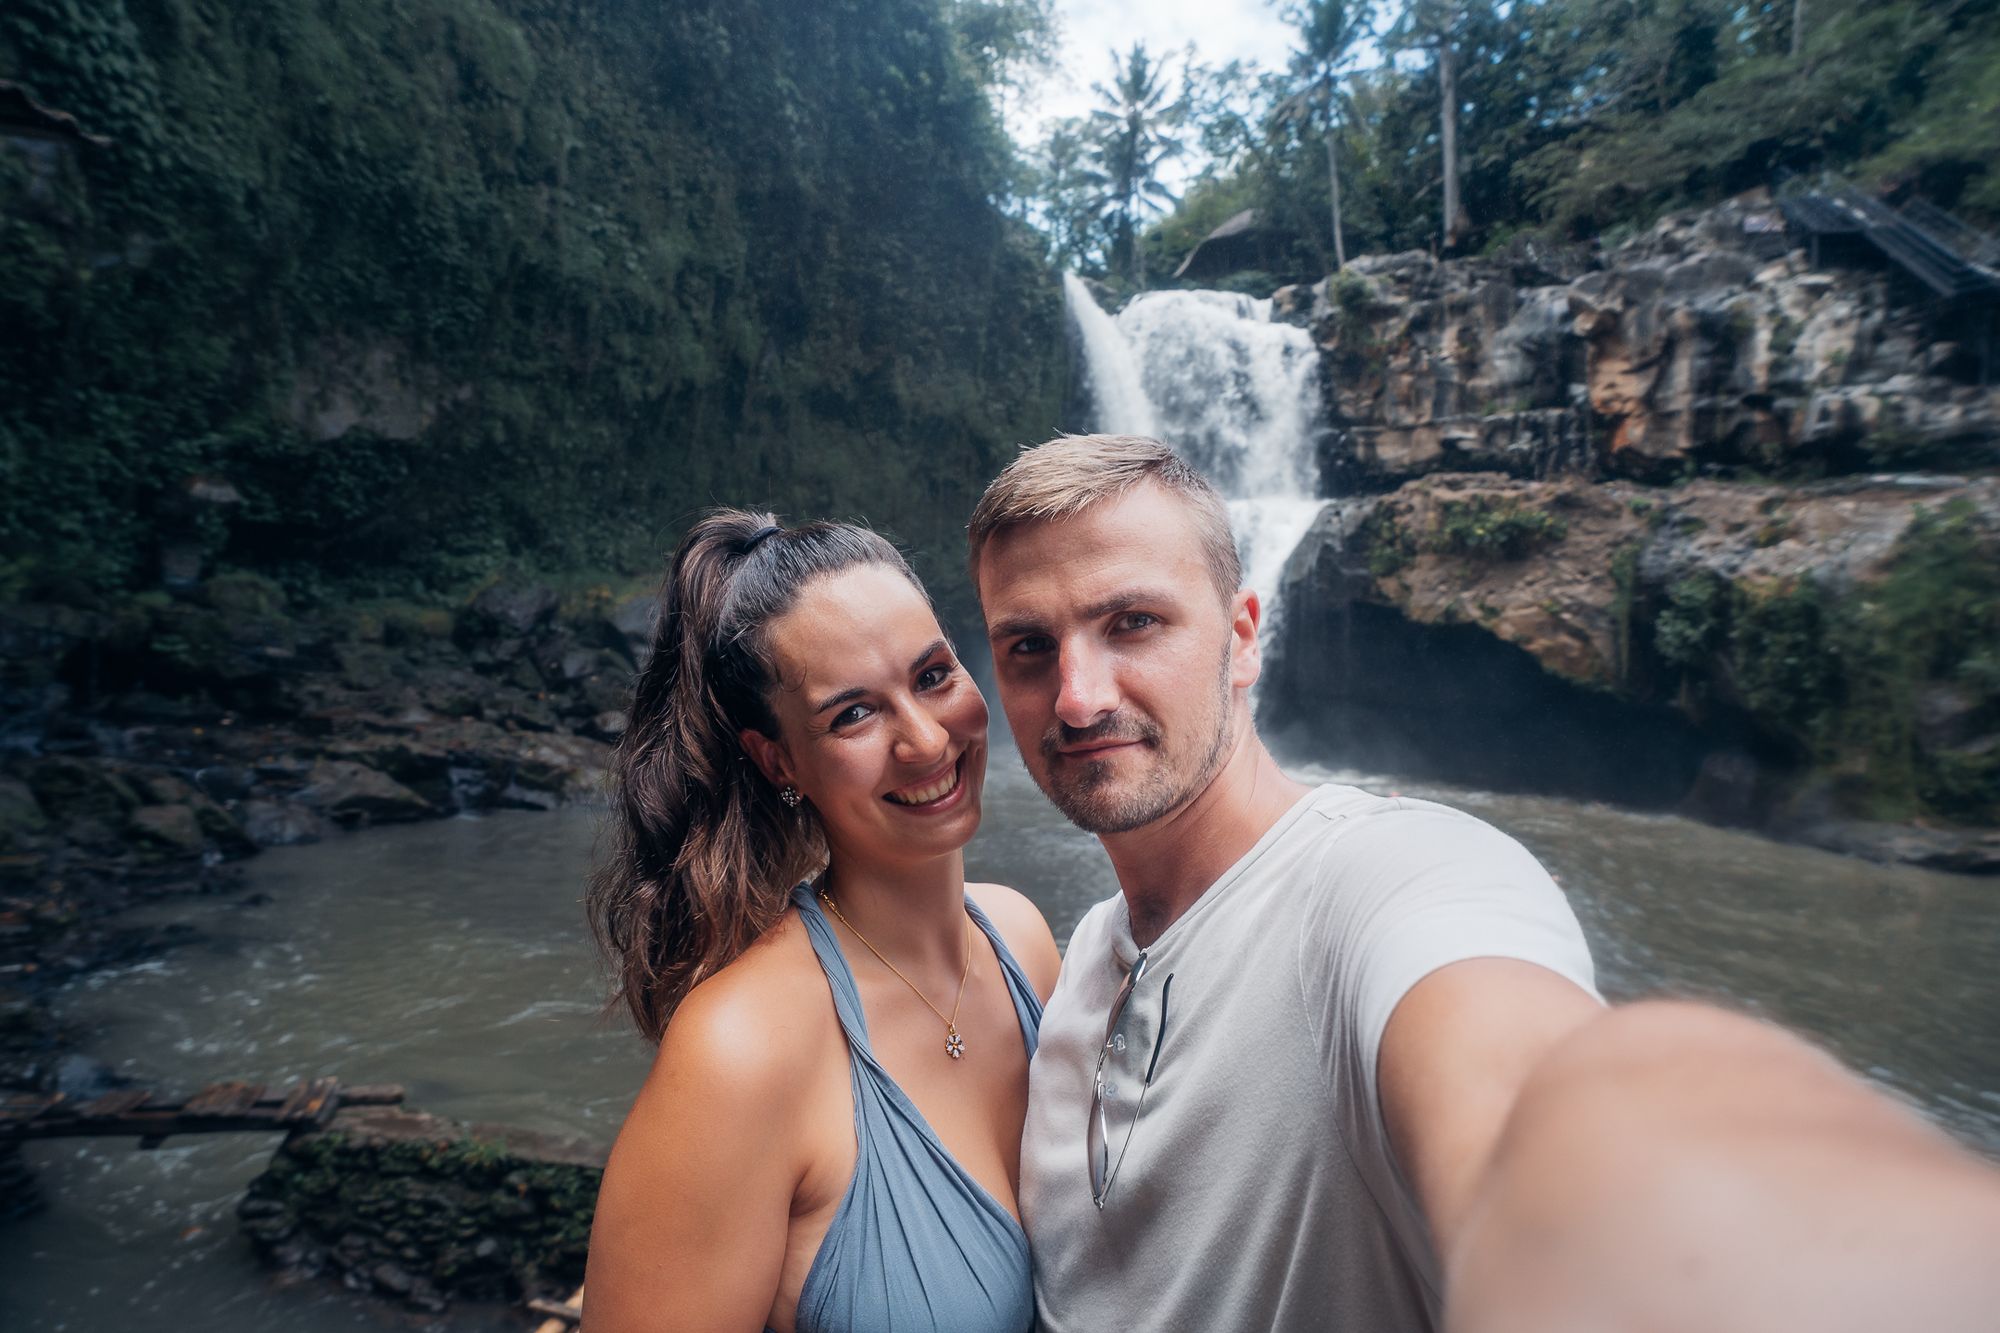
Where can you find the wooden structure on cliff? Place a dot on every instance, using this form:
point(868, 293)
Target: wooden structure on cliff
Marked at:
point(220, 1108)
point(1957, 265)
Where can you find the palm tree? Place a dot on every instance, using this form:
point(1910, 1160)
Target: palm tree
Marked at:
point(1434, 24)
point(1136, 135)
point(1328, 31)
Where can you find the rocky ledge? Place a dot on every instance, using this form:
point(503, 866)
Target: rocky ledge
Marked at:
point(151, 743)
point(1820, 661)
point(422, 1211)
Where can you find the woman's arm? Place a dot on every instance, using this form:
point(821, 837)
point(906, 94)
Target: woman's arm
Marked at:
point(693, 1212)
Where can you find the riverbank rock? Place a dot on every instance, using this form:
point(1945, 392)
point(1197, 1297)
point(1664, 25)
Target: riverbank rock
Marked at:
point(1815, 660)
point(421, 1210)
point(1699, 345)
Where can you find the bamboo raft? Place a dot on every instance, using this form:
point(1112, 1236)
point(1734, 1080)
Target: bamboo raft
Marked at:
point(220, 1108)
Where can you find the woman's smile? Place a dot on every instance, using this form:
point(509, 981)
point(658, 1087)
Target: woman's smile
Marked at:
point(936, 792)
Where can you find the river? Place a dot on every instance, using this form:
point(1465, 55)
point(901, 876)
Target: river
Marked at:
point(451, 957)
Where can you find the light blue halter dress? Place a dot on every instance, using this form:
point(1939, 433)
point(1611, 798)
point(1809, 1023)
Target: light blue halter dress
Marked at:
point(918, 1245)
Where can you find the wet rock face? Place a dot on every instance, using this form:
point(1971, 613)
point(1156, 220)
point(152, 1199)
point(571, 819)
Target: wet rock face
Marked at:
point(1702, 343)
point(1795, 658)
point(421, 1211)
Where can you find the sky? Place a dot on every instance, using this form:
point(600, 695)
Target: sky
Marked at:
point(1221, 31)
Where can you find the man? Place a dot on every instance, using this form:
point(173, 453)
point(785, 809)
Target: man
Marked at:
point(1273, 1080)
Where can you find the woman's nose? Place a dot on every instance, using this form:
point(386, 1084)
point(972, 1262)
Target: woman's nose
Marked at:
point(921, 738)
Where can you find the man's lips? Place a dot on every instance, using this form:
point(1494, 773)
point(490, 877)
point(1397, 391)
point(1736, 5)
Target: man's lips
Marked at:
point(1097, 747)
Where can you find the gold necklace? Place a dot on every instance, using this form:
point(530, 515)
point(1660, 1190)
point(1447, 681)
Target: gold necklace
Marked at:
point(954, 1046)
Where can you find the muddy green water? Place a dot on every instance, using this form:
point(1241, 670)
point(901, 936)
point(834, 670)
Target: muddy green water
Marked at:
point(451, 958)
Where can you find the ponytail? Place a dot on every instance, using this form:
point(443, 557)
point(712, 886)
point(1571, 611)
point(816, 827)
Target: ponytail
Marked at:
point(703, 854)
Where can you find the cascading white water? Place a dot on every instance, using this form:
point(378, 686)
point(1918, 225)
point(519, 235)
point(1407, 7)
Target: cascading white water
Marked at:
point(1235, 393)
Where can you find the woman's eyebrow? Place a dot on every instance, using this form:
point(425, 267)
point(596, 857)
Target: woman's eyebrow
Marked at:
point(856, 691)
point(835, 700)
point(929, 651)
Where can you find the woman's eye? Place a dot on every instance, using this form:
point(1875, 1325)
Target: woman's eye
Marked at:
point(848, 716)
point(933, 676)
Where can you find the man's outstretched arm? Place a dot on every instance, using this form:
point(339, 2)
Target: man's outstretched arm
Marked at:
point(1672, 1166)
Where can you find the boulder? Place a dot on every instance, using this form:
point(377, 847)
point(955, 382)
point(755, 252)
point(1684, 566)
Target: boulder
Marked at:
point(281, 823)
point(68, 789)
point(22, 823)
point(508, 610)
point(171, 830)
point(351, 793)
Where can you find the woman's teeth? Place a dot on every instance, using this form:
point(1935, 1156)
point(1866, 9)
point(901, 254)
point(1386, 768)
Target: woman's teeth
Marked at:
point(943, 787)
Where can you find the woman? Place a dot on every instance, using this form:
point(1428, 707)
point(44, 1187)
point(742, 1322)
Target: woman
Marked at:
point(829, 1137)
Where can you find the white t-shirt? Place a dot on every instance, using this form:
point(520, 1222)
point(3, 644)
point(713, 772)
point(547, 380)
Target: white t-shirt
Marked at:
point(1257, 1190)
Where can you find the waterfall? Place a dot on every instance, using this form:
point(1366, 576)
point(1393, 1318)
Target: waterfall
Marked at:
point(1236, 394)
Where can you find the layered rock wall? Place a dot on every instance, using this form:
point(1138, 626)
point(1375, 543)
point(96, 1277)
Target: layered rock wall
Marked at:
point(1703, 344)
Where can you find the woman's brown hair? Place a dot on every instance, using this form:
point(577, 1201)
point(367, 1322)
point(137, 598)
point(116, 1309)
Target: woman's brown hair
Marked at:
point(702, 854)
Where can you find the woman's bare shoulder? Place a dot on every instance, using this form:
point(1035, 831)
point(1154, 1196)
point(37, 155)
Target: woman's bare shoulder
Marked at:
point(1026, 931)
point(742, 1035)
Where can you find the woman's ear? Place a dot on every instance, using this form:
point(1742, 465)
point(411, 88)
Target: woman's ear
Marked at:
point(767, 755)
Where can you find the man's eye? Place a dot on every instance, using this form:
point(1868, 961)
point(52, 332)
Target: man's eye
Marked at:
point(1137, 620)
point(1029, 645)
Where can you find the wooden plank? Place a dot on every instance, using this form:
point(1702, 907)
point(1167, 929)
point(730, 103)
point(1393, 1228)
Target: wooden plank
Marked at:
point(372, 1094)
point(114, 1104)
point(310, 1102)
point(220, 1099)
point(294, 1097)
point(243, 1105)
point(560, 1317)
point(26, 1105)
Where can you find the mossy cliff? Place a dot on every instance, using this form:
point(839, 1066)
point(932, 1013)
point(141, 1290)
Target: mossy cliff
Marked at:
point(372, 296)
point(1819, 660)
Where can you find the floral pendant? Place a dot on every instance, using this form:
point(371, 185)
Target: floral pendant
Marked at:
point(954, 1045)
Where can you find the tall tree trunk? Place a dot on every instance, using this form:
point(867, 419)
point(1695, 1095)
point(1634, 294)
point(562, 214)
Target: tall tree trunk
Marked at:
point(1798, 28)
point(1448, 133)
point(1333, 176)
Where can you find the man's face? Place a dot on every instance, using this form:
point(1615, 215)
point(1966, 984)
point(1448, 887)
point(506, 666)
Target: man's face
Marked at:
point(1119, 664)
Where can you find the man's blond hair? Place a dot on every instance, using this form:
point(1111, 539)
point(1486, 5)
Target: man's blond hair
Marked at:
point(1071, 473)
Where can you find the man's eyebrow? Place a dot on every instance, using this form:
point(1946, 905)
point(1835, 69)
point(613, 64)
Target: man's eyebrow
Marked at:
point(1125, 599)
point(1014, 626)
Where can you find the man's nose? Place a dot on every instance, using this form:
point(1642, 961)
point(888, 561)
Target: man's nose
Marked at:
point(1086, 690)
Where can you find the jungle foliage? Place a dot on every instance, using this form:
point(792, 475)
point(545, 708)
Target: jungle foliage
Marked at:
point(1575, 118)
point(1889, 687)
point(437, 287)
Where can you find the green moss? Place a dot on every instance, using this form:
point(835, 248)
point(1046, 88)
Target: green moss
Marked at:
point(1694, 623)
point(1624, 607)
point(1483, 529)
point(1779, 653)
point(621, 261)
point(1388, 545)
point(1844, 678)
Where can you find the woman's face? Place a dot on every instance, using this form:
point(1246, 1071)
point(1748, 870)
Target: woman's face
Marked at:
point(878, 724)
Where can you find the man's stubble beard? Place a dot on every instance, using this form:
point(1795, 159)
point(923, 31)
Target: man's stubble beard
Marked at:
point(1088, 801)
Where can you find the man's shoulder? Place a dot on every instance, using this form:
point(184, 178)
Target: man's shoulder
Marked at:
point(1362, 833)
